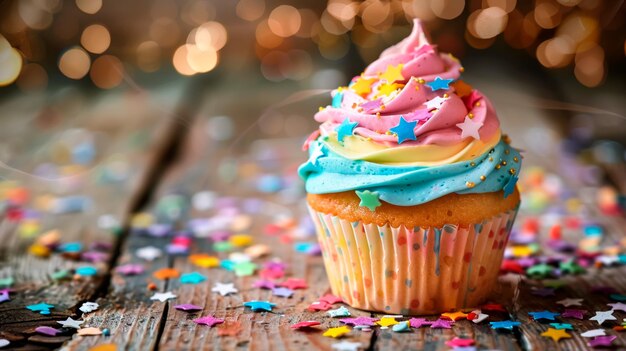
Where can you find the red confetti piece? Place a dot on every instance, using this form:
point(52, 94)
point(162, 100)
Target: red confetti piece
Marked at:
point(305, 324)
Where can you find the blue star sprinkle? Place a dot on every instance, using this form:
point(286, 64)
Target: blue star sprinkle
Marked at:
point(405, 130)
point(42, 308)
point(547, 315)
point(257, 306)
point(192, 278)
point(562, 326)
point(509, 188)
point(337, 100)
point(439, 83)
point(509, 325)
point(345, 129)
point(86, 271)
point(316, 153)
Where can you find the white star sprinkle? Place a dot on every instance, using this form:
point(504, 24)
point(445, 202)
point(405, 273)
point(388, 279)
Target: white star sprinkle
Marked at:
point(603, 316)
point(163, 296)
point(570, 302)
point(88, 307)
point(435, 103)
point(593, 333)
point(480, 316)
point(224, 288)
point(618, 306)
point(149, 253)
point(71, 323)
point(469, 128)
point(346, 346)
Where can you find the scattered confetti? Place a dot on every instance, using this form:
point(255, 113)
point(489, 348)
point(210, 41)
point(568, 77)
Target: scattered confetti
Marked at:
point(509, 325)
point(87, 307)
point(71, 323)
point(305, 324)
point(387, 321)
point(603, 316)
point(359, 321)
point(47, 331)
point(257, 306)
point(547, 315)
point(163, 296)
point(149, 253)
point(346, 346)
point(187, 307)
point(294, 284)
point(42, 308)
point(336, 332)
point(602, 341)
point(455, 316)
point(224, 288)
point(89, 331)
point(442, 324)
point(208, 320)
point(192, 278)
point(339, 312)
point(401, 327)
point(570, 302)
point(556, 334)
point(593, 333)
point(460, 342)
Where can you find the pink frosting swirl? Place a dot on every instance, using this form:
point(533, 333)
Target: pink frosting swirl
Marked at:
point(437, 112)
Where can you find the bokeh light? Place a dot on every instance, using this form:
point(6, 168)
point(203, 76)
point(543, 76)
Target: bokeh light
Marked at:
point(180, 61)
point(74, 63)
point(107, 72)
point(489, 22)
point(210, 35)
point(201, 60)
point(89, 6)
point(250, 10)
point(10, 62)
point(447, 9)
point(95, 39)
point(284, 21)
point(149, 56)
point(33, 77)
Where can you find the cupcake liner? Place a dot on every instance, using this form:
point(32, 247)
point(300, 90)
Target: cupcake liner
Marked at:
point(421, 270)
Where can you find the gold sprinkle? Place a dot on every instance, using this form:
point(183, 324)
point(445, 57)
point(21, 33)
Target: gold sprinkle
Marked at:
point(490, 159)
point(477, 104)
point(498, 166)
point(446, 95)
point(472, 164)
point(340, 89)
point(360, 109)
point(503, 163)
point(515, 159)
point(322, 108)
point(368, 139)
point(506, 138)
point(482, 177)
point(512, 170)
point(354, 105)
point(382, 107)
point(507, 151)
point(388, 133)
point(421, 81)
point(417, 87)
point(461, 69)
point(470, 115)
point(378, 115)
point(470, 184)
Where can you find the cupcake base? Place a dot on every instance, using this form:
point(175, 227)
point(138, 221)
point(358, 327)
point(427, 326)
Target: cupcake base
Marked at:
point(419, 270)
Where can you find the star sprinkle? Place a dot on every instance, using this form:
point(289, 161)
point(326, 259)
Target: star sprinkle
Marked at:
point(346, 346)
point(547, 315)
point(71, 323)
point(593, 333)
point(393, 74)
point(187, 307)
point(316, 153)
point(336, 332)
point(566, 326)
point(435, 103)
point(264, 284)
point(149, 253)
point(230, 329)
point(243, 269)
point(363, 86)
point(509, 325)
point(419, 322)
point(386, 89)
point(439, 84)
point(331, 299)
point(4, 295)
point(460, 342)
point(603, 316)
point(130, 269)
point(602, 341)
point(569, 313)
point(386, 321)
point(87, 307)
point(339, 312)
point(618, 306)
point(405, 130)
point(305, 324)
point(166, 273)
point(42, 308)
point(282, 292)
point(469, 128)
point(192, 278)
point(401, 327)
point(556, 334)
point(509, 188)
point(369, 199)
point(455, 316)
point(47, 331)
point(224, 288)
point(346, 128)
point(477, 316)
point(257, 306)
point(163, 296)
point(294, 284)
point(442, 323)
point(359, 321)
point(570, 302)
point(208, 320)
point(4, 342)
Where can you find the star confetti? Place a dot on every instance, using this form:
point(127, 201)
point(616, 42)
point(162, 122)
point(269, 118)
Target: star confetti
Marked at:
point(163, 296)
point(469, 128)
point(257, 306)
point(87, 307)
point(477, 316)
point(509, 325)
point(339, 312)
point(404, 130)
point(419, 322)
point(208, 320)
point(130, 269)
point(282, 292)
point(593, 333)
point(224, 288)
point(187, 307)
point(387, 321)
point(547, 315)
point(570, 302)
point(346, 346)
point(42, 308)
point(71, 323)
point(455, 316)
point(556, 334)
point(331, 299)
point(460, 342)
point(346, 128)
point(4, 295)
point(90, 331)
point(192, 278)
point(393, 74)
point(603, 316)
point(439, 84)
point(47, 331)
point(369, 199)
point(305, 324)
point(336, 332)
point(572, 313)
point(319, 306)
point(566, 326)
point(602, 341)
point(401, 327)
point(149, 253)
point(166, 273)
point(442, 324)
point(618, 306)
point(435, 103)
point(363, 86)
point(359, 321)
point(294, 284)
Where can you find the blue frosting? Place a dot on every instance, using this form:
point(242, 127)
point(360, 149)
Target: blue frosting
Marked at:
point(327, 172)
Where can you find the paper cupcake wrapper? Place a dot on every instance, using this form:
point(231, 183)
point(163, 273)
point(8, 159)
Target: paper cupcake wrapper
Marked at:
point(421, 270)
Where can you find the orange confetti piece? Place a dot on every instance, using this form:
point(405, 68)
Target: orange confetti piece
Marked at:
point(166, 273)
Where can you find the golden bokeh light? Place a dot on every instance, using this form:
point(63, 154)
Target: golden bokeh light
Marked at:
point(33, 77)
point(547, 15)
point(74, 63)
point(197, 12)
point(201, 60)
point(489, 22)
point(589, 69)
point(284, 21)
point(210, 36)
point(418, 9)
point(149, 56)
point(89, 6)
point(569, 3)
point(10, 62)
point(309, 23)
point(179, 60)
point(34, 15)
point(506, 5)
point(250, 10)
point(95, 39)
point(377, 16)
point(335, 26)
point(107, 72)
point(265, 37)
point(447, 9)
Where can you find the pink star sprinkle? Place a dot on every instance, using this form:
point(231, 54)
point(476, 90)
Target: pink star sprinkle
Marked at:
point(331, 299)
point(305, 324)
point(208, 320)
point(294, 283)
point(419, 322)
point(442, 323)
point(459, 342)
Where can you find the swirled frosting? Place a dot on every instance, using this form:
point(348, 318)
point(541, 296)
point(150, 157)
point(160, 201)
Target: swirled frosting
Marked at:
point(409, 130)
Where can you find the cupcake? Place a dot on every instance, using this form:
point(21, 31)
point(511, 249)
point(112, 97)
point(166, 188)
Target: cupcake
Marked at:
point(411, 185)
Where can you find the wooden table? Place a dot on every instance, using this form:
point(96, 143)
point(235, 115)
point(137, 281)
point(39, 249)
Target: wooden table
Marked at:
point(179, 156)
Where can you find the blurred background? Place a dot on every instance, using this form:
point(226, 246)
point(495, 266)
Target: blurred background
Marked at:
point(80, 71)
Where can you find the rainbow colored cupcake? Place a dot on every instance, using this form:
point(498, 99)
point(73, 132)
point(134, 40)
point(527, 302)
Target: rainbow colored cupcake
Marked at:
point(411, 185)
